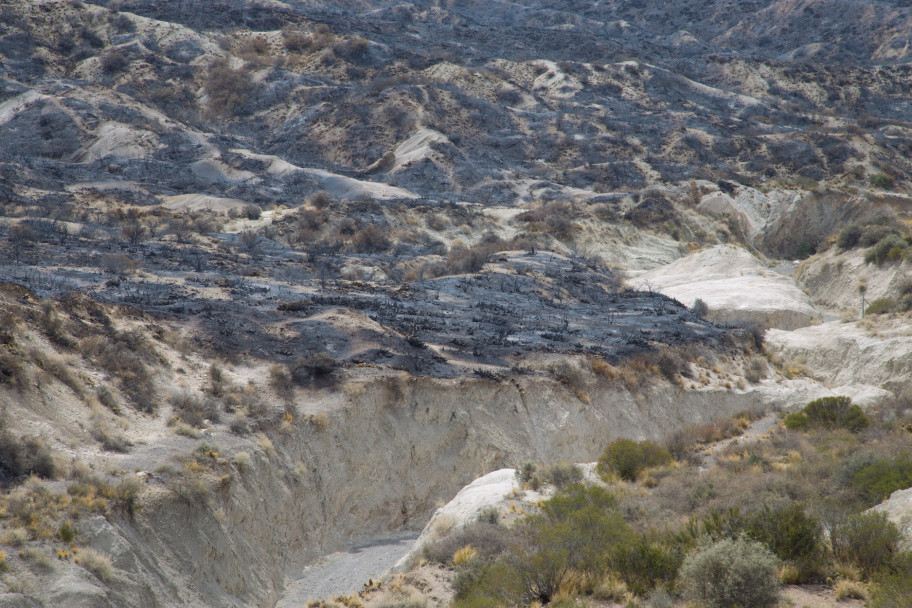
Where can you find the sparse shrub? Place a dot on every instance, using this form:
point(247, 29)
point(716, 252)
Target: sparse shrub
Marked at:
point(756, 369)
point(59, 368)
point(13, 371)
point(107, 399)
point(227, 88)
point(189, 486)
point(466, 554)
point(280, 380)
point(627, 458)
point(113, 61)
point(111, 442)
point(134, 232)
point(352, 48)
point(525, 472)
point(372, 239)
point(38, 557)
point(117, 263)
point(874, 233)
point(850, 590)
point(867, 540)
point(489, 514)
point(319, 421)
point(126, 495)
point(404, 598)
point(294, 39)
point(320, 199)
point(731, 573)
point(249, 240)
point(485, 538)
point(316, 367)
point(241, 460)
point(195, 411)
point(122, 23)
point(97, 563)
point(700, 308)
point(24, 456)
point(563, 474)
point(255, 45)
point(252, 212)
point(671, 364)
point(754, 331)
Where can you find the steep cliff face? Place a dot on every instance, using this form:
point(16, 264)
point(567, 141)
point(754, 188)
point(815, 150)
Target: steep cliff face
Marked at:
point(386, 457)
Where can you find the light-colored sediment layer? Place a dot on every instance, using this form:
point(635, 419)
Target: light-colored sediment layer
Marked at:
point(735, 285)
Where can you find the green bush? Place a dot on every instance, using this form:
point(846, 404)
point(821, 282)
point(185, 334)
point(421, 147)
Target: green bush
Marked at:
point(578, 528)
point(894, 589)
point(849, 236)
point(793, 536)
point(487, 585)
point(731, 573)
point(577, 533)
point(828, 412)
point(867, 540)
point(874, 233)
point(880, 253)
point(880, 306)
point(67, 532)
point(796, 421)
point(875, 481)
point(525, 472)
point(644, 565)
point(627, 458)
point(881, 181)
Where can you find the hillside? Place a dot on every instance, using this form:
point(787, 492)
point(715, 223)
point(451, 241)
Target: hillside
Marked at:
point(278, 278)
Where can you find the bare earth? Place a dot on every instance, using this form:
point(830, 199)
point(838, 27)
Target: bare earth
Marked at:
point(345, 572)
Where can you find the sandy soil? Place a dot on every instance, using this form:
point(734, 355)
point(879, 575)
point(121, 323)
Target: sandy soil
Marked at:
point(345, 572)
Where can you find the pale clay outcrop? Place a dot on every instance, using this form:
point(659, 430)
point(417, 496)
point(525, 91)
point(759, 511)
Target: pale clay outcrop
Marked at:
point(735, 285)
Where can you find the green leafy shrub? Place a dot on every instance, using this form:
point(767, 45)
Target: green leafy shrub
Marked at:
point(525, 472)
point(880, 306)
point(796, 421)
point(881, 181)
point(894, 589)
point(643, 564)
point(880, 253)
point(731, 573)
point(793, 536)
point(849, 236)
point(866, 540)
point(577, 530)
point(67, 532)
point(828, 412)
point(875, 481)
point(487, 585)
point(627, 458)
